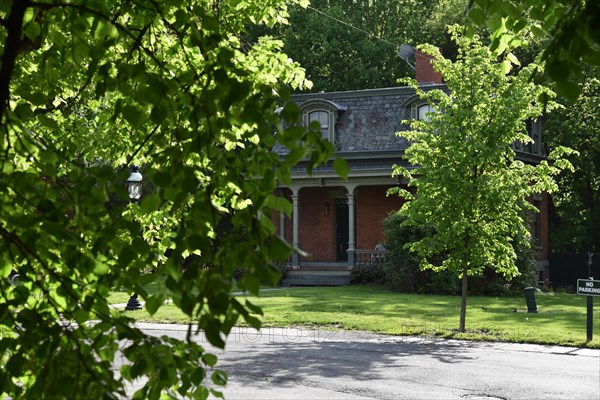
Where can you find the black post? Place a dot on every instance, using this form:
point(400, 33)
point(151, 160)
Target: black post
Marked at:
point(590, 318)
point(133, 303)
point(134, 187)
point(530, 300)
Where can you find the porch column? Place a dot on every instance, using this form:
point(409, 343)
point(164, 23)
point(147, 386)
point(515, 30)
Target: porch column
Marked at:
point(295, 224)
point(351, 232)
point(282, 225)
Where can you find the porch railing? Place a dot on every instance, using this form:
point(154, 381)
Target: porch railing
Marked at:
point(369, 257)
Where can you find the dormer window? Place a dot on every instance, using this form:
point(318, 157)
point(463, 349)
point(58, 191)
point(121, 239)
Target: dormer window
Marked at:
point(325, 113)
point(534, 131)
point(421, 111)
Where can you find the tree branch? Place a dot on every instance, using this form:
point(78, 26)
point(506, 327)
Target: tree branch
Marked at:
point(146, 139)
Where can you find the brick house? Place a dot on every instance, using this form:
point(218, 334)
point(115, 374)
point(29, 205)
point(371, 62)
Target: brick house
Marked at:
point(337, 223)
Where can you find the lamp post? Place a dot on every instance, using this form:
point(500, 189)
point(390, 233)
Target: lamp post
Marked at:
point(134, 187)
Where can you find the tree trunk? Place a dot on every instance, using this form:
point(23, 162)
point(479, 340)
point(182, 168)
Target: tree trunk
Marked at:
point(463, 300)
point(14, 26)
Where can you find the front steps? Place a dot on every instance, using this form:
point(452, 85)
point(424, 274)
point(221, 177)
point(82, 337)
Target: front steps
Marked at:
point(333, 275)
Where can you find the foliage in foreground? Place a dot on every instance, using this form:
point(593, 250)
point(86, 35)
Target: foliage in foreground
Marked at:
point(469, 186)
point(88, 88)
point(570, 31)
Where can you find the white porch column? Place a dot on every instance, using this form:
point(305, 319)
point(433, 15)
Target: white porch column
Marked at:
point(296, 221)
point(282, 225)
point(351, 230)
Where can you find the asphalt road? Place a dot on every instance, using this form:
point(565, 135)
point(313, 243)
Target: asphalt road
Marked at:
point(307, 364)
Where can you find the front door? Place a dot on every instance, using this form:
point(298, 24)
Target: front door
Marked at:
point(342, 235)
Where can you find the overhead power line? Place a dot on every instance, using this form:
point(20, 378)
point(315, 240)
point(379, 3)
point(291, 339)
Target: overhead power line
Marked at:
point(369, 34)
point(398, 47)
point(354, 27)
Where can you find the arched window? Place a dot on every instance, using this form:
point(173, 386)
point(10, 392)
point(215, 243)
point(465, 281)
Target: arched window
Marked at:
point(325, 113)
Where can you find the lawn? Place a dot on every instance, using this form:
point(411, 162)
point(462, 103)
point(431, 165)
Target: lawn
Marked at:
point(561, 318)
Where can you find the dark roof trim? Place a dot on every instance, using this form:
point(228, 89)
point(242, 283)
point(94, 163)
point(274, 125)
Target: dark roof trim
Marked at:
point(322, 102)
point(389, 91)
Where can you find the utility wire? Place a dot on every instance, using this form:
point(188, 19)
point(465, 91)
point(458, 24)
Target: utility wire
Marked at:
point(369, 34)
point(354, 27)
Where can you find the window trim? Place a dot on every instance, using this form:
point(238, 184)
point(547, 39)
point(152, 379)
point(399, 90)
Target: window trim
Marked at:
point(330, 133)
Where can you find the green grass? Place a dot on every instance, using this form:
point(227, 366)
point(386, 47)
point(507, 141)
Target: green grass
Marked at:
point(561, 319)
point(118, 297)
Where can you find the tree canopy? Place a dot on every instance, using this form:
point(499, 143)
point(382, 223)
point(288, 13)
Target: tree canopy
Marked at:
point(575, 217)
point(468, 185)
point(88, 88)
point(570, 30)
point(351, 45)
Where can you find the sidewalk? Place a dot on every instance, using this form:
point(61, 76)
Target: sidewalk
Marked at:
point(295, 334)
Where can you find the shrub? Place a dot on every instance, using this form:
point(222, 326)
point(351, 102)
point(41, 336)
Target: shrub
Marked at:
point(403, 274)
point(402, 271)
point(364, 273)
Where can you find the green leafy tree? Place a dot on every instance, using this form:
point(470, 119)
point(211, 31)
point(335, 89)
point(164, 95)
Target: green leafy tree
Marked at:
point(88, 88)
point(351, 45)
point(468, 186)
point(570, 30)
point(575, 226)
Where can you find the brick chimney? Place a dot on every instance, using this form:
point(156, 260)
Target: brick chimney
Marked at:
point(424, 72)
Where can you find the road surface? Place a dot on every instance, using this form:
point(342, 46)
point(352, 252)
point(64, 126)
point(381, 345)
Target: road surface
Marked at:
point(278, 363)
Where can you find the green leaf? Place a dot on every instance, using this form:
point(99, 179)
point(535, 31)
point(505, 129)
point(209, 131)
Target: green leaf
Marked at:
point(214, 337)
point(559, 70)
point(506, 66)
point(47, 121)
point(154, 302)
point(150, 203)
point(570, 90)
point(162, 179)
point(254, 308)
point(537, 31)
point(5, 267)
point(133, 115)
point(209, 359)
point(126, 256)
point(101, 268)
point(219, 378)
point(513, 59)
point(253, 321)
point(32, 30)
point(341, 167)
point(23, 110)
point(217, 393)
point(477, 16)
point(278, 203)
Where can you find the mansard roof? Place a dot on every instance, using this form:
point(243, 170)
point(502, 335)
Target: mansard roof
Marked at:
point(366, 124)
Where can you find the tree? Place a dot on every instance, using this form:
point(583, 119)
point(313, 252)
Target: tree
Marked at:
point(576, 217)
point(88, 88)
point(351, 45)
point(468, 186)
point(571, 30)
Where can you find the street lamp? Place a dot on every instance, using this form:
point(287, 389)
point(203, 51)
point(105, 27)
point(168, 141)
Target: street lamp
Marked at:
point(134, 187)
point(134, 184)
